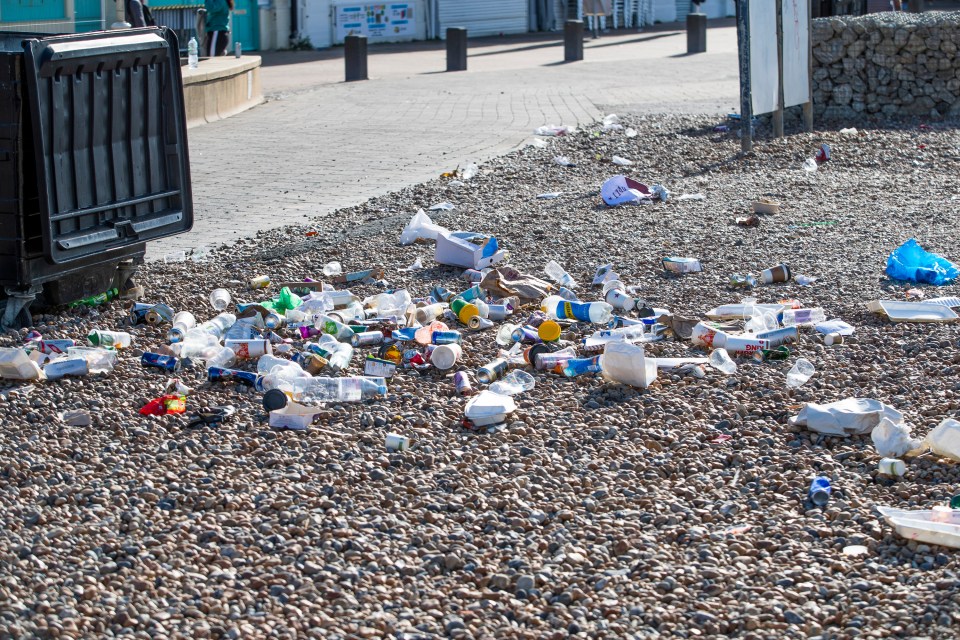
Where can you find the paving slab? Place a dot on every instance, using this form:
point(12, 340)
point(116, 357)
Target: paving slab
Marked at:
point(319, 144)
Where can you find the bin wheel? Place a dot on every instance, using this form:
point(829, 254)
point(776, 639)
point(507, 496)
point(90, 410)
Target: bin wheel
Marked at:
point(23, 318)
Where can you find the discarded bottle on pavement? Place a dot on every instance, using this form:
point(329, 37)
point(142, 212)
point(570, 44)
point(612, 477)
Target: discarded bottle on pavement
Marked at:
point(820, 491)
point(721, 361)
point(98, 360)
point(182, 322)
point(314, 390)
point(579, 366)
point(115, 339)
point(559, 275)
point(802, 371)
point(793, 317)
point(338, 354)
point(560, 309)
point(492, 371)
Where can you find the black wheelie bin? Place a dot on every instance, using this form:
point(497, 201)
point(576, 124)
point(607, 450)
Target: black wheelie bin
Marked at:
point(93, 162)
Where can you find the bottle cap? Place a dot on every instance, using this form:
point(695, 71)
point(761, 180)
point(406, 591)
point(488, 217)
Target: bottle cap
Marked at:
point(274, 400)
point(549, 331)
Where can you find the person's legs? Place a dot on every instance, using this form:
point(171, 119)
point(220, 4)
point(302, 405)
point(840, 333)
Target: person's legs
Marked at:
point(212, 37)
point(222, 38)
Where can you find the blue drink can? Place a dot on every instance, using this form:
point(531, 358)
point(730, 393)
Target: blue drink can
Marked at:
point(219, 374)
point(168, 363)
point(820, 491)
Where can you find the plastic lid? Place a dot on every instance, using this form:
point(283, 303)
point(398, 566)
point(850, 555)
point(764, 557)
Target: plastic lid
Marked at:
point(549, 331)
point(274, 399)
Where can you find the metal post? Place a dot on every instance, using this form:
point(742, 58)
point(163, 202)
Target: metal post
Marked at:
point(916, 6)
point(696, 33)
point(456, 49)
point(573, 40)
point(808, 105)
point(746, 99)
point(355, 57)
point(778, 113)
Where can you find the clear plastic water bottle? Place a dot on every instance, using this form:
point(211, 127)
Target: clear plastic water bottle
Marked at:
point(218, 326)
point(193, 53)
point(347, 389)
point(559, 275)
point(338, 354)
point(331, 326)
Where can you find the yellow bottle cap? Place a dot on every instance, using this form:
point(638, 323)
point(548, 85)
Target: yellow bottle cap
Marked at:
point(548, 331)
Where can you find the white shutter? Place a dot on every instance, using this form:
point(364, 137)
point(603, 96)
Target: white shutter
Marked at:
point(484, 18)
point(315, 22)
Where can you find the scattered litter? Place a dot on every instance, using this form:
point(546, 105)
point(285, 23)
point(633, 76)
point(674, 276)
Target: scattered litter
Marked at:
point(623, 190)
point(691, 196)
point(76, 418)
point(899, 311)
point(538, 143)
point(420, 227)
point(892, 439)
point(855, 550)
point(810, 165)
point(766, 206)
point(166, 404)
point(940, 525)
point(469, 171)
point(749, 221)
point(555, 130)
point(623, 162)
point(852, 416)
point(395, 442)
point(675, 264)
point(549, 196)
point(416, 266)
point(564, 161)
point(630, 132)
point(849, 131)
point(293, 416)
point(804, 281)
point(443, 206)
point(820, 491)
point(944, 440)
point(468, 250)
point(912, 263)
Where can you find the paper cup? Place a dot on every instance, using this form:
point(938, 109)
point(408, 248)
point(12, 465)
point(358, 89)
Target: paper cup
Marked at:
point(779, 273)
point(252, 348)
point(832, 338)
point(703, 335)
point(396, 442)
point(445, 356)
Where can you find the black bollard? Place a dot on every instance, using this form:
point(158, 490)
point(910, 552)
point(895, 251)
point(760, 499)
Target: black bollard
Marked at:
point(573, 40)
point(696, 33)
point(355, 57)
point(456, 49)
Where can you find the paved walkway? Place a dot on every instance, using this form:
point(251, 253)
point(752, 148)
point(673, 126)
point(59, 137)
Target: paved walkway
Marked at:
point(319, 144)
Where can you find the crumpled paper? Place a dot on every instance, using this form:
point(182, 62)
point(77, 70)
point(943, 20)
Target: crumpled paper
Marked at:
point(506, 282)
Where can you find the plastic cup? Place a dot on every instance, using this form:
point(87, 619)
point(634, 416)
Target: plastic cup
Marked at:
point(703, 335)
point(219, 299)
point(891, 467)
point(396, 442)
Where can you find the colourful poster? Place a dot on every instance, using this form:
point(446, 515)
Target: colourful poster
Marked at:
point(380, 21)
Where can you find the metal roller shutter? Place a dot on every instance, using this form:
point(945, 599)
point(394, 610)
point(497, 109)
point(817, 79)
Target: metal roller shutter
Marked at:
point(487, 18)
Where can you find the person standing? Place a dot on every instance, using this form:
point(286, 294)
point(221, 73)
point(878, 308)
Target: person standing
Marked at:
point(218, 25)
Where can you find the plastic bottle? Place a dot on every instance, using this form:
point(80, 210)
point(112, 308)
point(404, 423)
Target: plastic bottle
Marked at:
point(338, 354)
point(348, 389)
point(219, 356)
point(332, 327)
point(560, 309)
point(193, 53)
point(722, 362)
point(793, 317)
point(196, 341)
point(96, 300)
point(115, 339)
point(802, 371)
point(559, 275)
point(218, 326)
point(505, 334)
point(98, 360)
point(182, 322)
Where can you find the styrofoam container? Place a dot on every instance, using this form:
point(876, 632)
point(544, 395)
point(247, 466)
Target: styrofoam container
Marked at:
point(15, 364)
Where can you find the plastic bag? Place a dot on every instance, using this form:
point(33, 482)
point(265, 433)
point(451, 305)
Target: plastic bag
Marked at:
point(944, 440)
point(893, 439)
point(420, 227)
point(911, 262)
point(853, 416)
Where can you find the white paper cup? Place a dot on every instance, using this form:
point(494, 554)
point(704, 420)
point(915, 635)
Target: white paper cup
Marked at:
point(704, 335)
point(396, 442)
point(249, 348)
point(891, 467)
point(445, 356)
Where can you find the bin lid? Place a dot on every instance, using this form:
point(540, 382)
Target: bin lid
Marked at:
point(110, 139)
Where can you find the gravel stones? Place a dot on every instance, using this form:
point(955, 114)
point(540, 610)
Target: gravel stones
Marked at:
point(625, 519)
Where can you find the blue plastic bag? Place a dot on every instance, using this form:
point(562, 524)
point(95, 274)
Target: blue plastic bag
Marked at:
point(911, 262)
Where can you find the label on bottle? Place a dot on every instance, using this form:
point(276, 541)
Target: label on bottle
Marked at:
point(567, 310)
